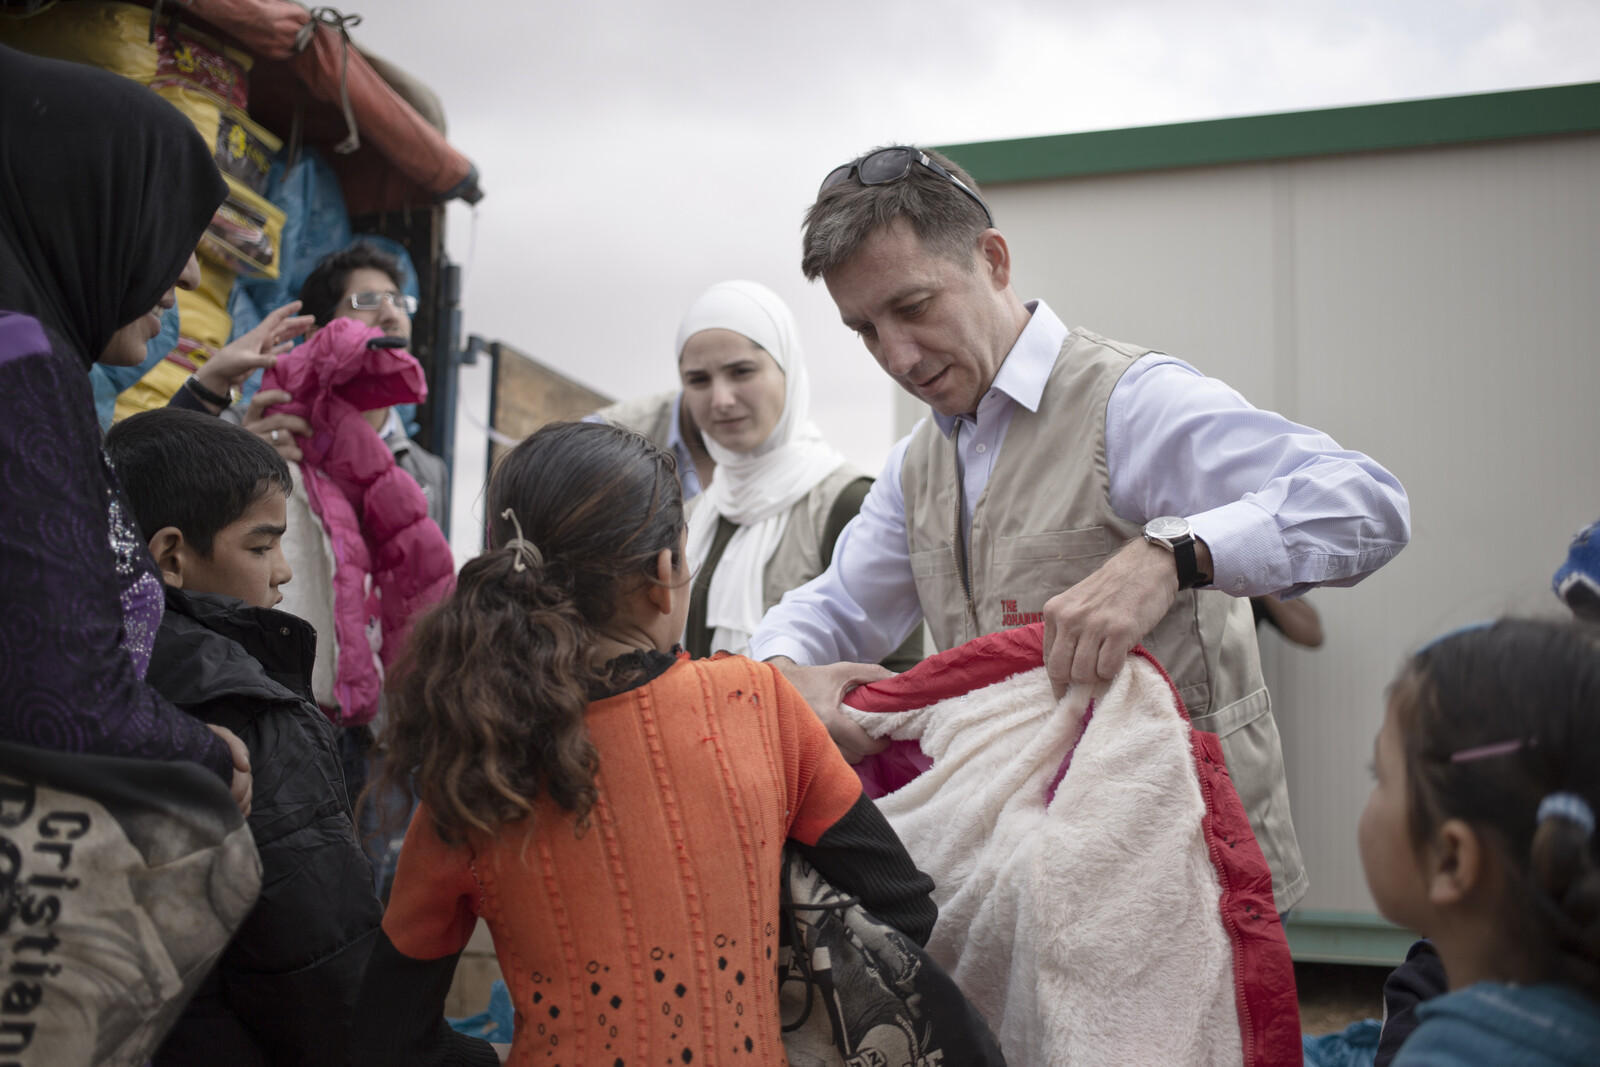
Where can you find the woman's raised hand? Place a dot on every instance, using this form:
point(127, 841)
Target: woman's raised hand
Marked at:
point(260, 347)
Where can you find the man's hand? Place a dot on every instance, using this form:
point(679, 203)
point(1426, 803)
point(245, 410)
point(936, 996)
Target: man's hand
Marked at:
point(1090, 628)
point(824, 687)
point(278, 430)
point(241, 787)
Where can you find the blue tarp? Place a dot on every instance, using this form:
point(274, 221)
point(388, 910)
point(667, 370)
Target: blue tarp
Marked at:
point(494, 1023)
point(1354, 1046)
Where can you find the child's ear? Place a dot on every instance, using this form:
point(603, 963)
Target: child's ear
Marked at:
point(171, 552)
point(1454, 863)
point(665, 587)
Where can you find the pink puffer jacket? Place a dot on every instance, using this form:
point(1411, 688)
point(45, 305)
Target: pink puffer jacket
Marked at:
point(390, 560)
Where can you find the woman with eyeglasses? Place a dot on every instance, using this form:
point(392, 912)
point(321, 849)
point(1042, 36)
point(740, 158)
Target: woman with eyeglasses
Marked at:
point(781, 495)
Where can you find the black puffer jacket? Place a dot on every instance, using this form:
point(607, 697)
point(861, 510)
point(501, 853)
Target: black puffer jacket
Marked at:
point(287, 984)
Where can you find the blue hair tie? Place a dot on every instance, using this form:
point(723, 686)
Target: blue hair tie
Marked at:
point(1471, 627)
point(1569, 806)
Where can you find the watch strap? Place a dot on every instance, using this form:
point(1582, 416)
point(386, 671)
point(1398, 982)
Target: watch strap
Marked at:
point(1183, 554)
point(206, 394)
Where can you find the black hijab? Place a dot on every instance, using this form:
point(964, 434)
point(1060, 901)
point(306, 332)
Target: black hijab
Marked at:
point(105, 189)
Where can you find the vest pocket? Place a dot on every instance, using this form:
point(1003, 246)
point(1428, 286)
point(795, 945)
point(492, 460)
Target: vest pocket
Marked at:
point(1028, 570)
point(1239, 714)
point(933, 563)
point(1090, 541)
point(1254, 756)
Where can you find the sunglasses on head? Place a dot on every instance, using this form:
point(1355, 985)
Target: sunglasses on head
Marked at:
point(890, 165)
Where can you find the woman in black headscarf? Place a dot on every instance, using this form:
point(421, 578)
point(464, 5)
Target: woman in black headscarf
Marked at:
point(105, 190)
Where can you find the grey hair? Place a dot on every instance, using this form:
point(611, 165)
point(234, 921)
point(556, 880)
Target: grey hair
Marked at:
point(943, 217)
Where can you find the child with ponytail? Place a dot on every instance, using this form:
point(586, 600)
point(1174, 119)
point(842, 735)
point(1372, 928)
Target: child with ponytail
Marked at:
point(1480, 834)
point(613, 810)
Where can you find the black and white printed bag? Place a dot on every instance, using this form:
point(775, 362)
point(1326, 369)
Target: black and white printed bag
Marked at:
point(855, 992)
point(121, 881)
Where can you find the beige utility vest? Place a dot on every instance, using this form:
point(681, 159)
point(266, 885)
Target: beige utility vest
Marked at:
point(1045, 522)
point(650, 415)
point(798, 557)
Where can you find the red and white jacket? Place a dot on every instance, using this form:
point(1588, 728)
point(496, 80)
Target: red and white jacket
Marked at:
point(1101, 897)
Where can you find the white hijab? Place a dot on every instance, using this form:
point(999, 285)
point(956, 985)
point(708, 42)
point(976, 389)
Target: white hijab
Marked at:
point(757, 489)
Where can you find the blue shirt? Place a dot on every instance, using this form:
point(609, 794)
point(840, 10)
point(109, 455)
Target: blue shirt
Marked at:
point(1281, 506)
point(687, 472)
point(1506, 1025)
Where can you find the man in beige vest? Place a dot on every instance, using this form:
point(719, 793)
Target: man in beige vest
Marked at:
point(1113, 493)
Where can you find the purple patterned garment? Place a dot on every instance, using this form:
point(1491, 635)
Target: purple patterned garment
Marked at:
point(82, 599)
point(143, 597)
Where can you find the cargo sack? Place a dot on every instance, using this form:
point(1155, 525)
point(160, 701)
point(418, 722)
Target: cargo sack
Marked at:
point(121, 881)
point(316, 226)
point(1101, 897)
point(116, 37)
point(854, 991)
point(245, 233)
point(242, 149)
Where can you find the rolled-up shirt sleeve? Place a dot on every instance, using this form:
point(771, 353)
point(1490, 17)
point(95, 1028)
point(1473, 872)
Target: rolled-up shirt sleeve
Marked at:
point(1282, 507)
point(865, 604)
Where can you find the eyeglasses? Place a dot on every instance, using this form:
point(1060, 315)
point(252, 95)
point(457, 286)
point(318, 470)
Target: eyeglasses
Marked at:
point(372, 301)
point(890, 165)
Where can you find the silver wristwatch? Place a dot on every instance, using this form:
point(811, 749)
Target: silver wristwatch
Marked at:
point(1176, 536)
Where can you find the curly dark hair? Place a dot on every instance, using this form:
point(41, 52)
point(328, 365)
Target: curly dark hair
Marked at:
point(1531, 681)
point(324, 286)
point(487, 707)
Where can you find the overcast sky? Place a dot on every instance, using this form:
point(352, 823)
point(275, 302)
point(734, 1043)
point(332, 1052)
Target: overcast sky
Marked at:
point(635, 153)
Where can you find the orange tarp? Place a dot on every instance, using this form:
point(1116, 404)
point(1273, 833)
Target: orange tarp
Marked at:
point(269, 29)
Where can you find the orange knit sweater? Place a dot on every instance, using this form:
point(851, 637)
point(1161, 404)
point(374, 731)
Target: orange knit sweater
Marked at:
point(651, 939)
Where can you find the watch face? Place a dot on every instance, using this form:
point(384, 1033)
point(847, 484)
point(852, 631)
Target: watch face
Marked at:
point(1168, 528)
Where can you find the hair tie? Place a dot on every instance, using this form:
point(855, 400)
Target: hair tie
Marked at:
point(1569, 806)
point(1499, 748)
point(525, 549)
point(1471, 627)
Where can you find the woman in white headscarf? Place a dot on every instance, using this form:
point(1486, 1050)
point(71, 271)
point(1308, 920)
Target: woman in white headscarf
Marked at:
point(781, 494)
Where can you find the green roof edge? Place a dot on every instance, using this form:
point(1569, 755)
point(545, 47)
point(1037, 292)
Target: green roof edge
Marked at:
point(1543, 112)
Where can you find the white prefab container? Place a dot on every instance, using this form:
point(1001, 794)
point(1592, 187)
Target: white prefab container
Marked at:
point(1418, 280)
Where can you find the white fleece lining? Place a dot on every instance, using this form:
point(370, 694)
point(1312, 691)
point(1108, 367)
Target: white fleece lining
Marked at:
point(1089, 933)
point(309, 594)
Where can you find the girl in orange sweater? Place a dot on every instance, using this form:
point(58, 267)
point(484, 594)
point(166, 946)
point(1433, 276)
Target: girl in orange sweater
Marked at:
point(615, 811)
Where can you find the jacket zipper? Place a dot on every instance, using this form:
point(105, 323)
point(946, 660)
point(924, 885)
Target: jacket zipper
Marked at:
point(958, 544)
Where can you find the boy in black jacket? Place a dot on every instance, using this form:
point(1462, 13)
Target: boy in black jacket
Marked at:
point(210, 498)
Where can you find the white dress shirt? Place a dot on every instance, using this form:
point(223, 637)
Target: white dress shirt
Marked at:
point(1281, 506)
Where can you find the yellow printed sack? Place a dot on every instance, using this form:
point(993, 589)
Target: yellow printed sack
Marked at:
point(216, 283)
point(241, 148)
point(116, 37)
point(245, 233)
